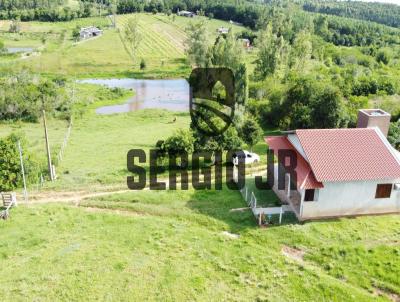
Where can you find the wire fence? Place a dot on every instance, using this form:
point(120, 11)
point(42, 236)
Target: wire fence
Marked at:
point(65, 143)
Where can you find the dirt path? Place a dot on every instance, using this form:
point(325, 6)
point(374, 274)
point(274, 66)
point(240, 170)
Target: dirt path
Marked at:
point(74, 197)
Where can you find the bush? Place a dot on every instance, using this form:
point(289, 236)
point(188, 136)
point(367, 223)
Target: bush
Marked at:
point(310, 104)
point(251, 132)
point(261, 110)
point(24, 99)
point(76, 32)
point(142, 64)
point(10, 166)
point(383, 56)
point(2, 47)
point(394, 134)
point(181, 141)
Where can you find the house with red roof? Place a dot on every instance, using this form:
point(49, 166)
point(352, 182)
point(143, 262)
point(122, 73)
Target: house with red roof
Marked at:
point(340, 172)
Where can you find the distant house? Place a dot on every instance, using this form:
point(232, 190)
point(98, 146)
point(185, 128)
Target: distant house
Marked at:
point(89, 32)
point(245, 43)
point(223, 30)
point(340, 172)
point(185, 13)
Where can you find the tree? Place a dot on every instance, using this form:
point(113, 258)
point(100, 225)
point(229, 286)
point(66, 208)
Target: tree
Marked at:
point(15, 26)
point(241, 84)
point(226, 141)
point(321, 27)
point(227, 52)
point(181, 141)
point(10, 166)
point(383, 56)
point(76, 32)
point(132, 37)
point(197, 48)
point(251, 132)
point(142, 64)
point(394, 134)
point(268, 53)
point(301, 51)
point(2, 47)
point(328, 109)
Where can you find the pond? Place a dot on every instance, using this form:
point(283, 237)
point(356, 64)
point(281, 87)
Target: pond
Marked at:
point(19, 49)
point(160, 94)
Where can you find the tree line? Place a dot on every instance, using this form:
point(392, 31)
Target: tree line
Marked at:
point(387, 14)
point(337, 30)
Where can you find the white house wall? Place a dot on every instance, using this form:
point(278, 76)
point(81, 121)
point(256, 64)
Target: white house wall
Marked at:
point(351, 198)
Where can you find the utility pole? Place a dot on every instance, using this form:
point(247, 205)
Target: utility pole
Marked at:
point(50, 166)
point(23, 171)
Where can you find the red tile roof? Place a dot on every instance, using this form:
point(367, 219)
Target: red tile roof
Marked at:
point(305, 177)
point(348, 154)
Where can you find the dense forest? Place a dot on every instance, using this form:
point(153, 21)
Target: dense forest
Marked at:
point(387, 14)
point(50, 11)
point(29, 4)
point(340, 31)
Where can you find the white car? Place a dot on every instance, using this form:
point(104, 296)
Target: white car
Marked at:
point(246, 157)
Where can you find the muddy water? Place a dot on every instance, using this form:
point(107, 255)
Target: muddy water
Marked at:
point(161, 94)
point(19, 49)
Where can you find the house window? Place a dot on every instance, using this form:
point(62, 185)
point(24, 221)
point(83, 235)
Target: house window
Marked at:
point(383, 191)
point(309, 195)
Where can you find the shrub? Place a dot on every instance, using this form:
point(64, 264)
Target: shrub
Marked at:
point(394, 134)
point(261, 110)
point(251, 132)
point(76, 33)
point(10, 166)
point(383, 56)
point(23, 99)
point(142, 64)
point(181, 141)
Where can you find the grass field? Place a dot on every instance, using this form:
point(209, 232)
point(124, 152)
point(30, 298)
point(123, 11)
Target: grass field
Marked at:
point(163, 245)
point(162, 47)
point(97, 148)
point(171, 246)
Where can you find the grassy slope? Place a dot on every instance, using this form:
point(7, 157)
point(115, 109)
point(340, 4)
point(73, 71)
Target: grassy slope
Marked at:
point(99, 144)
point(171, 248)
point(162, 47)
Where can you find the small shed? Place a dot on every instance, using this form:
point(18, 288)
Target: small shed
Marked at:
point(223, 30)
point(90, 32)
point(185, 13)
point(246, 43)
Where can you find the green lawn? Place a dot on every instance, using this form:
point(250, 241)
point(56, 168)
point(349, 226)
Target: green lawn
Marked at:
point(170, 246)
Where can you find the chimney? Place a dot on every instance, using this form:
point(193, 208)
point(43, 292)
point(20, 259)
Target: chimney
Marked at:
point(368, 118)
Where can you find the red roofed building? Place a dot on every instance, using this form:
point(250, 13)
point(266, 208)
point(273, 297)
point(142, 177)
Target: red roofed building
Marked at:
point(341, 172)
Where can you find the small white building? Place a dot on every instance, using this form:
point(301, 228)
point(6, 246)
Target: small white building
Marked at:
point(246, 43)
point(185, 13)
point(89, 32)
point(223, 30)
point(339, 172)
